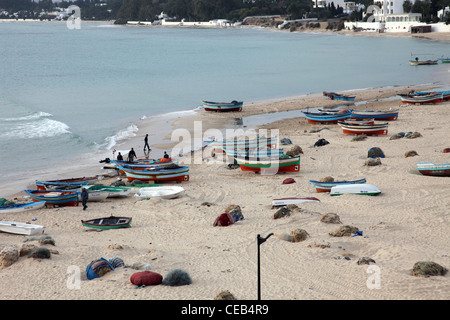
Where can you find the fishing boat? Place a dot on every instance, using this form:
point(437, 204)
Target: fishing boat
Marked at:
point(252, 153)
point(326, 186)
point(360, 120)
point(222, 106)
point(386, 115)
point(432, 169)
point(108, 223)
point(164, 192)
point(27, 229)
point(110, 191)
point(56, 185)
point(445, 60)
point(337, 96)
point(422, 62)
point(367, 129)
point(361, 189)
point(432, 97)
point(95, 195)
point(181, 173)
point(13, 208)
point(56, 197)
point(325, 117)
point(286, 201)
point(445, 94)
point(256, 143)
point(270, 164)
point(41, 185)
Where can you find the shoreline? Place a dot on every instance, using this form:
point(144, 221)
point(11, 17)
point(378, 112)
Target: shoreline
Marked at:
point(178, 233)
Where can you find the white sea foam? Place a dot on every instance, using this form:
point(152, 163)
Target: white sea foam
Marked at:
point(124, 134)
point(42, 128)
point(33, 116)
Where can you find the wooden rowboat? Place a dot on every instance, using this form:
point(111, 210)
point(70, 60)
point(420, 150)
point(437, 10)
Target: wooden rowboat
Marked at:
point(286, 201)
point(110, 191)
point(432, 97)
point(432, 169)
point(362, 189)
point(164, 192)
point(256, 143)
point(445, 94)
point(270, 164)
point(13, 208)
point(326, 186)
point(337, 96)
point(222, 106)
point(374, 129)
point(376, 115)
point(422, 62)
point(325, 117)
point(41, 185)
point(181, 173)
point(59, 198)
point(108, 223)
point(27, 229)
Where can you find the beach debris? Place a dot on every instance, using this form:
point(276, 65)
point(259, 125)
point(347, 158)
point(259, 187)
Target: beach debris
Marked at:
point(177, 277)
point(359, 137)
point(283, 236)
point(373, 162)
point(6, 202)
point(225, 295)
point(412, 135)
point(285, 141)
point(397, 136)
point(319, 245)
point(39, 253)
point(299, 235)
point(116, 262)
point(98, 268)
point(115, 247)
point(146, 278)
point(233, 166)
point(327, 179)
point(375, 152)
point(411, 153)
point(365, 260)
point(318, 130)
point(321, 142)
point(282, 212)
point(288, 181)
point(446, 150)
point(428, 268)
point(8, 256)
point(118, 183)
point(294, 151)
point(206, 203)
point(330, 218)
point(223, 220)
point(344, 231)
point(139, 266)
point(42, 240)
point(235, 211)
point(136, 182)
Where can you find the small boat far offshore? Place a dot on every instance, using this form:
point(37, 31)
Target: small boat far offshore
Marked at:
point(222, 106)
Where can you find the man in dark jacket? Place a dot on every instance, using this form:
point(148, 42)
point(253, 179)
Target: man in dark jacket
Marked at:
point(84, 197)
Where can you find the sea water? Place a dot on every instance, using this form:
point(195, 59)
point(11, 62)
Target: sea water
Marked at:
point(66, 94)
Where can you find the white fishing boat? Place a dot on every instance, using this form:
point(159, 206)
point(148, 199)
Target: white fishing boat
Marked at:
point(13, 208)
point(361, 188)
point(27, 229)
point(286, 201)
point(164, 192)
point(96, 195)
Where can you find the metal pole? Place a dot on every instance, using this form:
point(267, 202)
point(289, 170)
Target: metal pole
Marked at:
point(260, 241)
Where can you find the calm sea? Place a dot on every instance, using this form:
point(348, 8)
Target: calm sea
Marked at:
point(68, 95)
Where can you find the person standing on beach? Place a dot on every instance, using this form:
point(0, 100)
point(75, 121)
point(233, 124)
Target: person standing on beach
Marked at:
point(84, 197)
point(146, 143)
point(131, 155)
point(119, 157)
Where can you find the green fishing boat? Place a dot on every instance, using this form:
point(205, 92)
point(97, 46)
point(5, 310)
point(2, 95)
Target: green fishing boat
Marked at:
point(108, 223)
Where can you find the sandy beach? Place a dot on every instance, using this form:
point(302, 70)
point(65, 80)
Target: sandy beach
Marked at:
point(406, 223)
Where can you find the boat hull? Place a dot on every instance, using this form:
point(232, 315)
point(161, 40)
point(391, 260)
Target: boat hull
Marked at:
point(222, 106)
point(21, 228)
point(418, 99)
point(22, 207)
point(376, 115)
point(286, 201)
point(326, 186)
point(58, 198)
point(180, 174)
point(422, 62)
point(337, 96)
point(360, 189)
point(169, 192)
point(312, 117)
point(431, 169)
point(370, 130)
point(269, 165)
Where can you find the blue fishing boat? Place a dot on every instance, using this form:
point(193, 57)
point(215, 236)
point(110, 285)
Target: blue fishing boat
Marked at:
point(222, 106)
point(179, 173)
point(326, 186)
point(337, 96)
point(47, 185)
point(54, 197)
point(325, 117)
point(20, 207)
point(432, 169)
point(445, 94)
point(376, 115)
point(252, 153)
